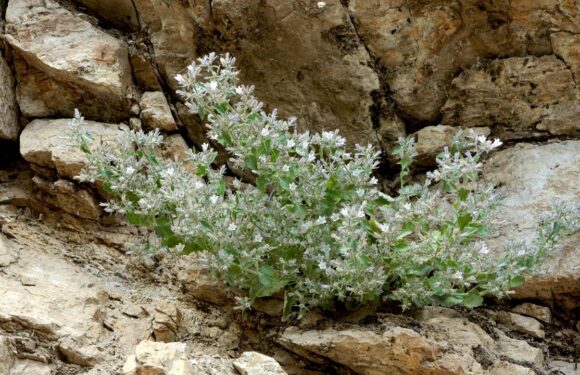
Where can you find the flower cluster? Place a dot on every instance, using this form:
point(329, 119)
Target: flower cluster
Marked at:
point(314, 225)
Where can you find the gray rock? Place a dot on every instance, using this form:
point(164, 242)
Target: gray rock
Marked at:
point(541, 313)
point(254, 363)
point(9, 126)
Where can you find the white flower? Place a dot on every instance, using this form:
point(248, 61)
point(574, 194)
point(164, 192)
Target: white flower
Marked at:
point(285, 168)
point(130, 170)
point(373, 181)
point(292, 186)
point(258, 238)
point(321, 4)
point(239, 90)
point(214, 199)
point(321, 220)
point(290, 143)
point(265, 132)
point(484, 249)
point(458, 275)
point(213, 85)
point(232, 227)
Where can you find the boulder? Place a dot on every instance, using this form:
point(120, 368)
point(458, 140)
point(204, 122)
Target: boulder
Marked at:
point(44, 142)
point(155, 112)
point(64, 62)
point(541, 313)
point(535, 178)
point(523, 324)
point(254, 363)
point(120, 13)
point(157, 358)
point(9, 126)
point(524, 96)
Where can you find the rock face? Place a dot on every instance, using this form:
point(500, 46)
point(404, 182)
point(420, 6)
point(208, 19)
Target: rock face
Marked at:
point(63, 62)
point(535, 179)
point(9, 126)
point(153, 358)
point(44, 142)
point(155, 112)
point(253, 363)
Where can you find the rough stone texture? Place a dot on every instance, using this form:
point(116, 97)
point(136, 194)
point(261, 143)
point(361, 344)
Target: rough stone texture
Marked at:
point(535, 179)
point(202, 286)
point(155, 112)
point(254, 363)
point(120, 13)
point(541, 313)
point(518, 350)
point(166, 322)
point(157, 358)
point(507, 368)
point(69, 197)
point(520, 96)
point(42, 142)
point(63, 61)
point(9, 126)
point(522, 324)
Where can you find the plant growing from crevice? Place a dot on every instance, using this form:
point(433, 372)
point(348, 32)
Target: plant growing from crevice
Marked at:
point(314, 226)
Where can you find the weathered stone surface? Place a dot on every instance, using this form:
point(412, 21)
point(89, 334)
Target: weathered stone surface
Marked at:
point(6, 359)
point(432, 139)
point(518, 350)
point(43, 142)
point(541, 313)
point(63, 60)
point(535, 179)
point(565, 45)
point(8, 251)
point(395, 351)
point(69, 197)
point(56, 306)
point(156, 358)
point(254, 363)
point(522, 324)
point(166, 322)
point(522, 95)
point(507, 368)
point(120, 13)
point(201, 285)
point(565, 368)
point(155, 112)
point(9, 126)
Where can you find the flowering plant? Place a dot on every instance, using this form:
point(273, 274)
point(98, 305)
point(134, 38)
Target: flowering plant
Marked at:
point(314, 225)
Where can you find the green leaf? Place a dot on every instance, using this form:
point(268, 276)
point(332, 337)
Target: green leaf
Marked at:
point(284, 183)
point(220, 188)
point(132, 197)
point(261, 183)
point(251, 162)
point(463, 220)
point(134, 219)
point(200, 170)
point(472, 299)
point(85, 148)
point(517, 281)
point(270, 282)
point(453, 300)
point(462, 194)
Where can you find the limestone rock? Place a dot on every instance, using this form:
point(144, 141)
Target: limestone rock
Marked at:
point(507, 368)
point(8, 251)
point(155, 112)
point(9, 126)
point(27, 367)
point(432, 139)
point(67, 196)
point(518, 350)
point(6, 359)
point(395, 351)
point(43, 142)
point(63, 62)
point(156, 358)
point(536, 178)
point(565, 45)
point(522, 324)
point(254, 363)
point(202, 286)
point(565, 368)
point(120, 13)
point(520, 94)
point(166, 322)
point(541, 313)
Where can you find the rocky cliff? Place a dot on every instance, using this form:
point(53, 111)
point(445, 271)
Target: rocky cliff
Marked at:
point(71, 300)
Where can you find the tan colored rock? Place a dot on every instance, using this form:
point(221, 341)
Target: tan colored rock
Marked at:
point(522, 324)
point(565, 45)
point(432, 139)
point(155, 112)
point(9, 126)
point(67, 196)
point(63, 60)
point(536, 178)
point(202, 286)
point(175, 147)
point(166, 322)
point(507, 368)
point(8, 251)
point(254, 363)
point(156, 358)
point(6, 359)
point(28, 367)
point(520, 94)
point(120, 13)
point(565, 368)
point(541, 313)
point(44, 142)
point(518, 350)
point(395, 351)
